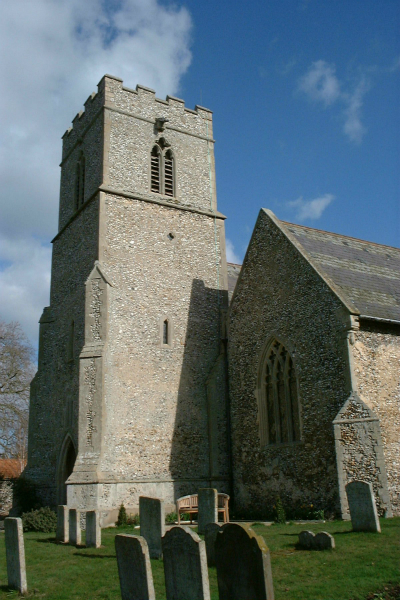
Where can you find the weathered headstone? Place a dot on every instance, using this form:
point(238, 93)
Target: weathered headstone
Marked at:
point(185, 565)
point(363, 513)
point(93, 530)
point(15, 554)
point(321, 541)
point(152, 523)
point(243, 564)
point(306, 539)
point(62, 533)
point(134, 568)
point(208, 508)
point(324, 541)
point(210, 535)
point(74, 527)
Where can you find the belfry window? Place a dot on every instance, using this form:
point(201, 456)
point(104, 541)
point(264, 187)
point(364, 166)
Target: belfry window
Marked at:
point(155, 170)
point(162, 169)
point(80, 182)
point(279, 415)
point(169, 173)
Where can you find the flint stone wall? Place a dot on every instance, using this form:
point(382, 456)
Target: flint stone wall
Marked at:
point(376, 355)
point(279, 295)
point(142, 396)
point(74, 254)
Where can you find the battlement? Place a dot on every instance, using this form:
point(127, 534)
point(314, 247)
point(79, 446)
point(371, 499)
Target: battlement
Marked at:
point(141, 103)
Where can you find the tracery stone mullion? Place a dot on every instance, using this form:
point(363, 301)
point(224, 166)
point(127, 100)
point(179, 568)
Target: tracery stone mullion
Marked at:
point(283, 429)
point(288, 403)
point(276, 400)
point(269, 423)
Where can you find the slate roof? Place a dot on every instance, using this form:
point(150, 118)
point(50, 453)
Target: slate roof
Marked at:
point(366, 274)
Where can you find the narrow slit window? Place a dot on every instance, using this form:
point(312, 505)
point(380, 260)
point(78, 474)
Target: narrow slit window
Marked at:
point(169, 174)
point(155, 170)
point(165, 332)
point(71, 342)
point(80, 182)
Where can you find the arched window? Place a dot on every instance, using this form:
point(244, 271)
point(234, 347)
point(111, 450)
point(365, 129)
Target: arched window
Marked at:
point(80, 182)
point(279, 415)
point(155, 169)
point(162, 169)
point(169, 173)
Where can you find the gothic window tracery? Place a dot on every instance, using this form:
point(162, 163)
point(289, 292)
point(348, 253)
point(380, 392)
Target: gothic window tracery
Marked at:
point(279, 418)
point(162, 169)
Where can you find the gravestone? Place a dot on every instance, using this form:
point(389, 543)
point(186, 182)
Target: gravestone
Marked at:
point(15, 554)
point(324, 541)
point(363, 513)
point(134, 568)
point(306, 539)
point(210, 535)
point(208, 508)
point(185, 565)
point(93, 530)
point(74, 527)
point(243, 564)
point(152, 523)
point(321, 541)
point(62, 534)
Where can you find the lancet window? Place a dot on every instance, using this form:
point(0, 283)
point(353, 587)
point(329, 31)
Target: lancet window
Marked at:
point(162, 169)
point(279, 418)
point(80, 182)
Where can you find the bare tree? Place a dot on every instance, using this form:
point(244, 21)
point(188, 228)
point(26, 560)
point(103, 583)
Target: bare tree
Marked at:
point(16, 372)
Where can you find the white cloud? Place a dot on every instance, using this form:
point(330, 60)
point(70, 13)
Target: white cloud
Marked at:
point(311, 209)
point(320, 84)
point(24, 282)
point(231, 255)
point(353, 127)
point(52, 55)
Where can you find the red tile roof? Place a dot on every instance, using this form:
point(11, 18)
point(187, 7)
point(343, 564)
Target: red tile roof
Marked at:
point(11, 467)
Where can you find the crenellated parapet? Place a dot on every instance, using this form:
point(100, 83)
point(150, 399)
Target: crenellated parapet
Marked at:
point(141, 103)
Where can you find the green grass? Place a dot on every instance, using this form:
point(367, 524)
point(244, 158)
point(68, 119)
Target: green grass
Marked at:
point(360, 564)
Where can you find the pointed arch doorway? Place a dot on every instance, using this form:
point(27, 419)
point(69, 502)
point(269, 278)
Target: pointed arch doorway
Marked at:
point(65, 468)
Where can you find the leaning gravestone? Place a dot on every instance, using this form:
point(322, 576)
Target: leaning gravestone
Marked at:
point(363, 513)
point(210, 535)
point(134, 568)
point(185, 565)
point(243, 564)
point(62, 533)
point(74, 527)
point(208, 508)
point(152, 523)
point(321, 541)
point(15, 554)
point(93, 530)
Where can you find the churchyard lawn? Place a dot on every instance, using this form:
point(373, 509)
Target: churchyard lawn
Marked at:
point(360, 564)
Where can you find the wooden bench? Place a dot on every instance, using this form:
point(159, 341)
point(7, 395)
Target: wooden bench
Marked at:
point(190, 505)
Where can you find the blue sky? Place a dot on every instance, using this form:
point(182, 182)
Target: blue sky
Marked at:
point(305, 95)
point(306, 106)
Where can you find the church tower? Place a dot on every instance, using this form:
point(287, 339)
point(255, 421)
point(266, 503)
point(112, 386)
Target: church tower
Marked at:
point(130, 396)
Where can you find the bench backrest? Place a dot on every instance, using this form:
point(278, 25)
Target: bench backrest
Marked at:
point(192, 501)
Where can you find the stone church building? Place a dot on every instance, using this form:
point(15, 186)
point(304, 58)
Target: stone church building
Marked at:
point(162, 369)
